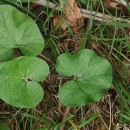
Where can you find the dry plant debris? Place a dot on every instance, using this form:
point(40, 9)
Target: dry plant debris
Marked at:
point(112, 4)
point(57, 19)
point(73, 15)
point(109, 106)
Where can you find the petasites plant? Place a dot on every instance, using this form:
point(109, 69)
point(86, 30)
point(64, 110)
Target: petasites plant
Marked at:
point(91, 77)
point(18, 81)
point(18, 30)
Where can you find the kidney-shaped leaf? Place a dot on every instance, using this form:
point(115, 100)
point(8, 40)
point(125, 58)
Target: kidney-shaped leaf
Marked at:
point(18, 30)
point(18, 81)
point(91, 77)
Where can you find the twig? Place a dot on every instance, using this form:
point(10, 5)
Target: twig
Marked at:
point(122, 55)
point(50, 4)
point(102, 17)
point(87, 13)
point(65, 116)
point(44, 57)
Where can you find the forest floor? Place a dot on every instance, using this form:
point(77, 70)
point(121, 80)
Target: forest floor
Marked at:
point(100, 25)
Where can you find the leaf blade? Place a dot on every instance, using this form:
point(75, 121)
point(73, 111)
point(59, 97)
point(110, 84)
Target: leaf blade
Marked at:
point(17, 30)
point(92, 77)
point(18, 88)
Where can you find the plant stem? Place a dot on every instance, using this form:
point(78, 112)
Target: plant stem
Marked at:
point(64, 117)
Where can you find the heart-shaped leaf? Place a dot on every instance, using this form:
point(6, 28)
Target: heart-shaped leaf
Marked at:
point(18, 81)
point(91, 77)
point(18, 30)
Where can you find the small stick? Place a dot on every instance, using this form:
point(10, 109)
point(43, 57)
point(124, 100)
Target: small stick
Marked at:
point(67, 111)
point(50, 4)
point(102, 17)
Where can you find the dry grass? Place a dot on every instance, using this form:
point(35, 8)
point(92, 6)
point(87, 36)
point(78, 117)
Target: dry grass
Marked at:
point(110, 40)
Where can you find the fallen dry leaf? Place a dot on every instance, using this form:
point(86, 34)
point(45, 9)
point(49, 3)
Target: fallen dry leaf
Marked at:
point(57, 20)
point(73, 15)
point(112, 4)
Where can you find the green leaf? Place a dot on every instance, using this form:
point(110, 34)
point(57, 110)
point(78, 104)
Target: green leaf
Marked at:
point(6, 55)
point(3, 127)
point(18, 30)
point(91, 77)
point(18, 81)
